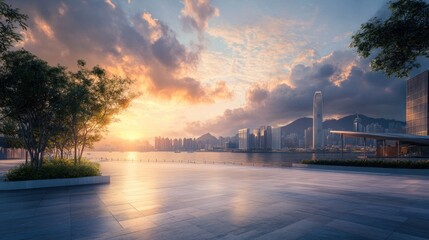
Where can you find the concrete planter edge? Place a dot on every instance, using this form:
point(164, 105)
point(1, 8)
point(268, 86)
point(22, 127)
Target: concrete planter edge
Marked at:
point(47, 183)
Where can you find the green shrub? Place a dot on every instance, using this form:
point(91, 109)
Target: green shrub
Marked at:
point(419, 164)
point(58, 168)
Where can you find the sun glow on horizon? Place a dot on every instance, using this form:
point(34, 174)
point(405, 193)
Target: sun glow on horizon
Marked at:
point(130, 135)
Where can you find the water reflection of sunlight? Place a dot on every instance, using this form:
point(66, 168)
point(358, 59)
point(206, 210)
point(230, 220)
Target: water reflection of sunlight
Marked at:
point(132, 156)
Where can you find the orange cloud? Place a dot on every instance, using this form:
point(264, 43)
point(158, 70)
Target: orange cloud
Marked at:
point(44, 27)
point(110, 3)
point(221, 91)
point(154, 26)
point(141, 47)
point(196, 14)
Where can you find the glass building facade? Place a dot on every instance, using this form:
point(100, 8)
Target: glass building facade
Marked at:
point(266, 138)
point(276, 138)
point(417, 104)
point(318, 120)
point(243, 139)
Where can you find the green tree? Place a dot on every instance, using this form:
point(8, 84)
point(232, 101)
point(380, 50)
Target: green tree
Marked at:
point(95, 97)
point(31, 100)
point(398, 40)
point(61, 142)
point(10, 21)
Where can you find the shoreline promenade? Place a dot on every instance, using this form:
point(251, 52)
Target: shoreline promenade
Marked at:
point(203, 201)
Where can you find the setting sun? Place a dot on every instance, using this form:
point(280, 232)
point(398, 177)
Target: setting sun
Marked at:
point(130, 136)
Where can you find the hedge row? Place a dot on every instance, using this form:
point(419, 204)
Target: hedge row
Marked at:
point(58, 168)
point(418, 164)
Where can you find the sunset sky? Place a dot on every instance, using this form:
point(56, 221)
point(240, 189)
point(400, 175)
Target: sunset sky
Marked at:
point(218, 66)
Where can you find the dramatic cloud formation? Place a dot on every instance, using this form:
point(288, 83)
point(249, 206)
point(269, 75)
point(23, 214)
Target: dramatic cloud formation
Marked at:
point(196, 14)
point(138, 46)
point(261, 61)
point(347, 84)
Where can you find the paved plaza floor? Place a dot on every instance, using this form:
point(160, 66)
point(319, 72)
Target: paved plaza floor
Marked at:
point(198, 201)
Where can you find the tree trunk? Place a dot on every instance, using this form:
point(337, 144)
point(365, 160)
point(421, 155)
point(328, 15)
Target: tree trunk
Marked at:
point(75, 137)
point(32, 158)
point(75, 151)
point(41, 159)
point(81, 151)
point(83, 145)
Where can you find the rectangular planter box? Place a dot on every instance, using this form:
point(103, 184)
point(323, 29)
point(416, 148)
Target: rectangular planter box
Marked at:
point(60, 182)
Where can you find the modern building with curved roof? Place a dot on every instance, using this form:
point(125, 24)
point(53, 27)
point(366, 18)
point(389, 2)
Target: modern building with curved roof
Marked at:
point(402, 138)
point(417, 119)
point(385, 150)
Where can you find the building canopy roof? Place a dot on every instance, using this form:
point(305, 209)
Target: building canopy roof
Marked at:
point(404, 138)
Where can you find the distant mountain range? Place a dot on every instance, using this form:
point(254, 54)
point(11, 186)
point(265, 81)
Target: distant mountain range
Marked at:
point(207, 138)
point(346, 123)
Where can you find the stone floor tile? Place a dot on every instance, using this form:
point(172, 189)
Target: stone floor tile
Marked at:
point(403, 236)
point(196, 201)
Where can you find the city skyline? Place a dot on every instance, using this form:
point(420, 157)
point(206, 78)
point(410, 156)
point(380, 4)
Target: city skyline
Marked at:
point(211, 66)
point(282, 138)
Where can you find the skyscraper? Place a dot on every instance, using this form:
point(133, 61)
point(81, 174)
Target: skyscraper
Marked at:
point(417, 104)
point(243, 139)
point(276, 138)
point(317, 120)
point(256, 139)
point(358, 127)
point(357, 124)
point(266, 137)
point(308, 138)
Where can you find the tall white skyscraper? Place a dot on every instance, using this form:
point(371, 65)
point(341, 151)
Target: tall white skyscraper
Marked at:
point(317, 120)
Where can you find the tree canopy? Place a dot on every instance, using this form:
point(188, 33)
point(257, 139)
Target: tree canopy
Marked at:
point(10, 21)
point(397, 40)
point(94, 98)
point(31, 99)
